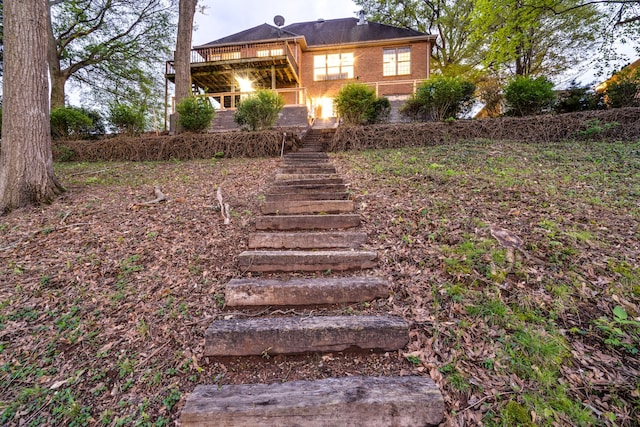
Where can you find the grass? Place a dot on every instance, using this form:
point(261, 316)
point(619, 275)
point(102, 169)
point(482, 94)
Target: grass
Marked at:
point(575, 207)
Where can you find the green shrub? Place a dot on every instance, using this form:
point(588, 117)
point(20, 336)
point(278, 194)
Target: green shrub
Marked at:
point(527, 96)
point(69, 123)
point(624, 90)
point(578, 98)
point(195, 113)
point(259, 110)
point(127, 119)
point(355, 103)
point(380, 111)
point(439, 98)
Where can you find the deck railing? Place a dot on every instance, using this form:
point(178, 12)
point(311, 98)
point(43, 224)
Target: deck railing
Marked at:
point(255, 51)
point(380, 86)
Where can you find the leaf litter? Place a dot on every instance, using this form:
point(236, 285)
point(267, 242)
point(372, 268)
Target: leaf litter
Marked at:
point(104, 308)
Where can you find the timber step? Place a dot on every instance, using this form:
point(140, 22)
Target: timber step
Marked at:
point(307, 207)
point(260, 292)
point(311, 170)
point(307, 188)
point(306, 240)
point(357, 401)
point(303, 334)
point(306, 222)
point(290, 261)
point(302, 178)
point(271, 197)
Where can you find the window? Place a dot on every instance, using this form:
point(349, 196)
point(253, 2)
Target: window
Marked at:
point(396, 61)
point(334, 66)
point(230, 55)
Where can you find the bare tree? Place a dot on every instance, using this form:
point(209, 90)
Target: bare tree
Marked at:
point(26, 165)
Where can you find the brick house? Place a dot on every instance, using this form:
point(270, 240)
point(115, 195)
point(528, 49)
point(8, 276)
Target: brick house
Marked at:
point(308, 62)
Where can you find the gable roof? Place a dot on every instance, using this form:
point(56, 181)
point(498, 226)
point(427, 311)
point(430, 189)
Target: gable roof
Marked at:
point(321, 33)
point(255, 34)
point(347, 30)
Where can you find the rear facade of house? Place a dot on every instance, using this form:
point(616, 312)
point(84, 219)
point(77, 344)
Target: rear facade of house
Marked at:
point(308, 63)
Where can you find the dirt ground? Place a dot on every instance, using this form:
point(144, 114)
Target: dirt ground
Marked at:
point(104, 303)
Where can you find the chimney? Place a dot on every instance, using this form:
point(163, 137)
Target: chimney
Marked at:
point(361, 20)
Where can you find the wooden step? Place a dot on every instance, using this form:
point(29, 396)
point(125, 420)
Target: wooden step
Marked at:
point(307, 179)
point(303, 334)
point(307, 188)
point(303, 179)
point(311, 170)
point(287, 261)
point(356, 401)
point(270, 197)
point(298, 155)
point(307, 206)
point(306, 222)
point(257, 292)
point(301, 240)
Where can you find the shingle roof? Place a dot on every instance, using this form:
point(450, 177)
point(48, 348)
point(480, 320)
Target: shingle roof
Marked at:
point(321, 32)
point(347, 30)
point(260, 32)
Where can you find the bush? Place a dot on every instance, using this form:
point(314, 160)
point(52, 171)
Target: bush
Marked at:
point(127, 119)
point(577, 98)
point(69, 123)
point(259, 110)
point(439, 98)
point(195, 113)
point(624, 90)
point(527, 96)
point(380, 112)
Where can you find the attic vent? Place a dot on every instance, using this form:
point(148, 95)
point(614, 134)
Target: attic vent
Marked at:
point(361, 20)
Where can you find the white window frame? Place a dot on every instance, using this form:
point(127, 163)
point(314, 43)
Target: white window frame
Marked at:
point(333, 66)
point(396, 61)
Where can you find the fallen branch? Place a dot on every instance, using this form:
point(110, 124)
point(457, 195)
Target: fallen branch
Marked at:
point(160, 197)
point(224, 207)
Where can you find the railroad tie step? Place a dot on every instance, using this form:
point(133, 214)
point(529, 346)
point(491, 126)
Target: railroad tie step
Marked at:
point(260, 292)
point(307, 207)
point(359, 401)
point(307, 222)
point(307, 240)
point(305, 178)
point(289, 261)
point(307, 188)
point(307, 170)
point(333, 195)
point(303, 334)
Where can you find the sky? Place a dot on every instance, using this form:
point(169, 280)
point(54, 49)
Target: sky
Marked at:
point(223, 18)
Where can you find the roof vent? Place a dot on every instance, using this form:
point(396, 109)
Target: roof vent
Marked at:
point(361, 20)
point(278, 20)
point(320, 20)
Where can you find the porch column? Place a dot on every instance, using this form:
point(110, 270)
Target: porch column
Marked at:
point(273, 77)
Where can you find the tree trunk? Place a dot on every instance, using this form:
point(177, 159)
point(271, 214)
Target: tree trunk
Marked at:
point(183, 49)
point(26, 166)
point(58, 78)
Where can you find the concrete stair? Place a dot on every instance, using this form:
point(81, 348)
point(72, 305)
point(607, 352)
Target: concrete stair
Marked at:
point(308, 226)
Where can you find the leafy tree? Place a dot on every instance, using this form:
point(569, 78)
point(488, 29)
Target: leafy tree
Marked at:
point(259, 110)
point(26, 163)
point(526, 95)
point(455, 51)
point(440, 98)
point(110, 46)
point(127, 119)
point(530, 40)
point(195, 113)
